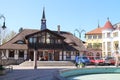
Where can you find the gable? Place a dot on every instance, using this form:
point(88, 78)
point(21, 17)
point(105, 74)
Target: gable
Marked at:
point(44, 33)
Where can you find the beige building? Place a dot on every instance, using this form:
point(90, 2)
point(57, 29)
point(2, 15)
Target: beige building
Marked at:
point(94, 43)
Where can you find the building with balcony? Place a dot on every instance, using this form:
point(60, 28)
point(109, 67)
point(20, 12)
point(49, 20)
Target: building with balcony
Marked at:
point(111, 39)
point(94, 43)
point(103, 41)
point(49, 45)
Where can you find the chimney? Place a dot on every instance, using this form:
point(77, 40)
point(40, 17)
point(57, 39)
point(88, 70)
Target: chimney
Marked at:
point(58, 29)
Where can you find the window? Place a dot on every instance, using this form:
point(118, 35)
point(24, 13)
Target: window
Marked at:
point(89, 36)
point(103, 35)
point(52, 41)
point(115, 34)
point(97, 45)
point(34, 40)
point(21, 53)
point(11, 53)
point(98, 54)
point(108, 46)
point(103, 46)
point(68, 55)
point(30, 40)
point(20, 42)
point(108, 35)
point(48, 38)
point(99, 36)
point(94, 36)
point(43, 39)
point(58, 41)
point(116, 45)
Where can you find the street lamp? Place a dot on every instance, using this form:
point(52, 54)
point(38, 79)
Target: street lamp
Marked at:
point(80, 32)
point(3, 27)
point(35, 54)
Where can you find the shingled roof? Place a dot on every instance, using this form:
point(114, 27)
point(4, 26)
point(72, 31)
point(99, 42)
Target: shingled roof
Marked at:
point(19, 37)
point(73, 42)
point(95, 31)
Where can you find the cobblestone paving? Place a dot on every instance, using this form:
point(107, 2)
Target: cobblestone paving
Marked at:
point(42, 73)
point(28, 73)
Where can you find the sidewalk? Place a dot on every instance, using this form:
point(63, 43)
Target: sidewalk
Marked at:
point(43, 67)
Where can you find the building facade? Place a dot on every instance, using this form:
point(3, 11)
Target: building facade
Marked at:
point(94, 43)
point(111, 39)
point(104, 40)
point(49, 45)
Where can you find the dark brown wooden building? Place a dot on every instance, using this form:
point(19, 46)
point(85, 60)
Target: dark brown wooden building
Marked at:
point(49, 45)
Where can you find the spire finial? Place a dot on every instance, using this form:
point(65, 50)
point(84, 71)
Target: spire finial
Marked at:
point(43, 16)
point(98, 24)
point(108, 18)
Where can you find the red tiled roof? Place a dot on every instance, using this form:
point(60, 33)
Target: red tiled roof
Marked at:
point(108, 25)
point(95, 31)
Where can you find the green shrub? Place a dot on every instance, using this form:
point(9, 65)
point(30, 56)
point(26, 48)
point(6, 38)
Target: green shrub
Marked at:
point(1, 67)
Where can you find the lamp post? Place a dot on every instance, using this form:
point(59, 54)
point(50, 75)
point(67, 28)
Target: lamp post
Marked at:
point(3, 27)
point(35, 55)
point(80, 32)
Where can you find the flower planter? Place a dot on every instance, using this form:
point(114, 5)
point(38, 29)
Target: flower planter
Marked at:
point(2, 72)
point(81, 65)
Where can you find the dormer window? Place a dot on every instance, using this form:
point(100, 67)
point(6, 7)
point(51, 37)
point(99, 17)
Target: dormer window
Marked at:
point(30, 40)
point(20, 42)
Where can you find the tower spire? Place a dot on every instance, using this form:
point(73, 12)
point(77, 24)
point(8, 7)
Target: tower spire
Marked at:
point(108, 18)
point(43, 20)
point(43, 15)
point(98, 24)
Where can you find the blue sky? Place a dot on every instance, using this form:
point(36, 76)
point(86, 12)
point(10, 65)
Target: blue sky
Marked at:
point(69, 14)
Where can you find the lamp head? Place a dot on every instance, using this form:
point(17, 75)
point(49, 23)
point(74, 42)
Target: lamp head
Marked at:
point(3, 27)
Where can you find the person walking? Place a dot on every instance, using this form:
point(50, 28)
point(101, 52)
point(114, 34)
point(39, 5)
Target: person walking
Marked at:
point(76, 61)
point(116, 59)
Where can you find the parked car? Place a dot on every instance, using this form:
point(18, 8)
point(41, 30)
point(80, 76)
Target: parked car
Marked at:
point(84, 60)
point(97, 61)
point(109, 61)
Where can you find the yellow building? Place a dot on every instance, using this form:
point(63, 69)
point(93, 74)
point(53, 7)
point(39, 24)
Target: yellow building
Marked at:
point(94, 38)
point(94, 42)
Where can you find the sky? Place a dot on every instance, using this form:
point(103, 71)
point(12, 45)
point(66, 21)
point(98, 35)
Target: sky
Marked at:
point(69, 14)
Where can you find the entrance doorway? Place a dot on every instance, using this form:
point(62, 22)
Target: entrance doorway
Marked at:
point(56, 56)
point(50, 56)
point(31, 55)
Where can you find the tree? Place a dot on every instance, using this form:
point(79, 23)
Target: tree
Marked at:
point(96, 45)
point(9, 36)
